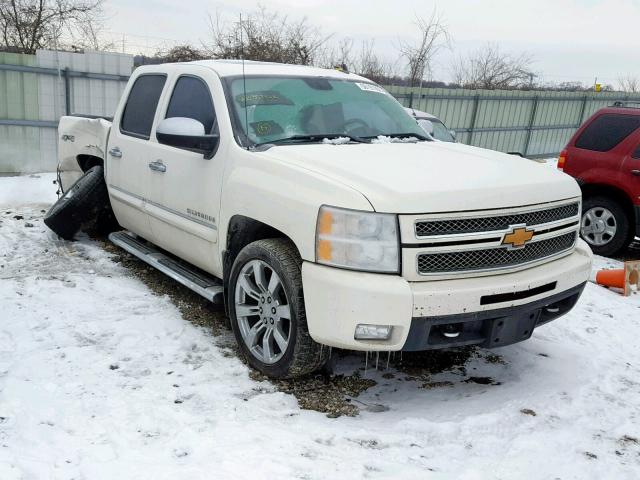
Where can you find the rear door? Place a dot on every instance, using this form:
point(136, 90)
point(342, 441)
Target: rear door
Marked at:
point(127, 171)
point(184, 194)
point(631, 170)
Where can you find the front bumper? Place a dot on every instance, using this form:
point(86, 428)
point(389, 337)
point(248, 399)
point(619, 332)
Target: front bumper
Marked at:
point(337, 300)
point(492, 328)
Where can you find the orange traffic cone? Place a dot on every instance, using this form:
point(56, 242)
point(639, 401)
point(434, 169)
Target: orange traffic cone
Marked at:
point(611, 278)
point(622, 278)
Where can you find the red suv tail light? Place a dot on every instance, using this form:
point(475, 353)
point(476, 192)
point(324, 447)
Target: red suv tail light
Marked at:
point(562, 159)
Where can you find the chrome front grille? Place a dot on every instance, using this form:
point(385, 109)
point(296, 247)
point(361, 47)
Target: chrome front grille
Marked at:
point(493, 258)
point(475, 243)
point(427, 228)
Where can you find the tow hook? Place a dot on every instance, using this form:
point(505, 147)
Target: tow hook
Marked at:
point(451, 330)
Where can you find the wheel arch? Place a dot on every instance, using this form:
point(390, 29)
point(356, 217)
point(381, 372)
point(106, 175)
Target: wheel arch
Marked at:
point(617, 194)
point(87, 161)
point(242, 231)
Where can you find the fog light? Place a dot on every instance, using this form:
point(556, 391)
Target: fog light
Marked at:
point(372, 332)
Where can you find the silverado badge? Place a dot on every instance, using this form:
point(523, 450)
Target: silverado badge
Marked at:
point(518, 237)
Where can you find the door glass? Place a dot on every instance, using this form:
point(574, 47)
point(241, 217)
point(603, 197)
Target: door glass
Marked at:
point(191, 99)
point(137, 118)
point(607, 131)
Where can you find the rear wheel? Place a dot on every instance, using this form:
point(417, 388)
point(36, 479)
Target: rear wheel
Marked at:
point(605, 225)
point(81, 204)
point(267, 310)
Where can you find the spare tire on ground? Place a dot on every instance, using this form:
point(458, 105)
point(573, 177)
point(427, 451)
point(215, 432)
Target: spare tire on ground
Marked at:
point(83, 203)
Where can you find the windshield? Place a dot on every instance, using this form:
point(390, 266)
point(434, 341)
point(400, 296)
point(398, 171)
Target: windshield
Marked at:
point(279, 108)
point(440, 131)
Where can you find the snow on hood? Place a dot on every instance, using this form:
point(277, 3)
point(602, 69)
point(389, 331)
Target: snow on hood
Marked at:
point(425, 177)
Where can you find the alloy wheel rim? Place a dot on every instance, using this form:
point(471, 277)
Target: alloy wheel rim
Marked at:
point(262, 311)
point(598, 226)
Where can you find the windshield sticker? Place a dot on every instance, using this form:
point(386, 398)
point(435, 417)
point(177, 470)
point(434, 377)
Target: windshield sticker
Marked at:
point(266, 128)
point(267, 97)
point(369, 87)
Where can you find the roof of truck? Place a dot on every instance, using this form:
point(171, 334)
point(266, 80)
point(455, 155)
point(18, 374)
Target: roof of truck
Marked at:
point(228, 68)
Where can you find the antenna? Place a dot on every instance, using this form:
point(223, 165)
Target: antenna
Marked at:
point(244, 83)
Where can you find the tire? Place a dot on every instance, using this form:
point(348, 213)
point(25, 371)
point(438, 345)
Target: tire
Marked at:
point(605, 225)
point(250, 325)
point(81, 204)
point(106, 221)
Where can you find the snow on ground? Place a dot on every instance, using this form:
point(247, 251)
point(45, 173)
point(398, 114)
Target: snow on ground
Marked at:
point(101, 379)
point(24, 190)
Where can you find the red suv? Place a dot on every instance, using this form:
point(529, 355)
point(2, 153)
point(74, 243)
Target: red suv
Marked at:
point(604, 157)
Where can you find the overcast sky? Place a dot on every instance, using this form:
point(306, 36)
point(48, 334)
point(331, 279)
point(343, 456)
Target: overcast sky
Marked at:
point(568, 39)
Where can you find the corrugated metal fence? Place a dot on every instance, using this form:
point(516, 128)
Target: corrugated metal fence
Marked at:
point(36, 90)
point(534, 123)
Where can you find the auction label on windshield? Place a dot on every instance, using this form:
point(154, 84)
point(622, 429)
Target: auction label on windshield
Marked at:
point(369, 87)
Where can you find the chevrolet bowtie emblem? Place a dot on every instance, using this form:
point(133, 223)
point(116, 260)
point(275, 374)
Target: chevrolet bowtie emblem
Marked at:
point(518, 237)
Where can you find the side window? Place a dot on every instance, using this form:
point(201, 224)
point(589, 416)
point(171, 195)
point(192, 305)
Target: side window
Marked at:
point(607, 131)
point(140, 109)
point(191, 99)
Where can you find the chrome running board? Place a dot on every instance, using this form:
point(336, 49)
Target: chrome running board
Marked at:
point(201, 283)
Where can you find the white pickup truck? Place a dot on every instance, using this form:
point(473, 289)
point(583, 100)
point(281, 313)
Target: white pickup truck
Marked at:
point(316, 209)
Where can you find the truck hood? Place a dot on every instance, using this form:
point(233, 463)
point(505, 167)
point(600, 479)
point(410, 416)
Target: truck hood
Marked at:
point(431, 176)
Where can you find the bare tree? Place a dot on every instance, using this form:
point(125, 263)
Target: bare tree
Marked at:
point(32, 24)
point(339, 55)
point(266, 36)
point(629, 84)
point(181, 53)
point(370, 65)
point(419, 55)
point(490, 68)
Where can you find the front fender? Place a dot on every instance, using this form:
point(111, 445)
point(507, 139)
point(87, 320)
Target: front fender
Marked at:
point(283, 196)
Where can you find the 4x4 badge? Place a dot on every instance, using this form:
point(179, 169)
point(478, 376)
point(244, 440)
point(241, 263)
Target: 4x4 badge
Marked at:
point(518, 237)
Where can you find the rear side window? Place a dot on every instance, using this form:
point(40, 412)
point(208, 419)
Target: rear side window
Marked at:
point(191, 99)
point(137, 118)
point(607, 131)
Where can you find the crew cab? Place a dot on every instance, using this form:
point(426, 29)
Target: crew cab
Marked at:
point(604, 157)
point(312, 205)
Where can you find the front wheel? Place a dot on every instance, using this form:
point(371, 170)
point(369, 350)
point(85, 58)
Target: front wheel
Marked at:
point(267, 310)
point(605, 225)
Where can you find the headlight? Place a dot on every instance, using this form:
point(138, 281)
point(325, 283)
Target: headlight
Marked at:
point(357, 240)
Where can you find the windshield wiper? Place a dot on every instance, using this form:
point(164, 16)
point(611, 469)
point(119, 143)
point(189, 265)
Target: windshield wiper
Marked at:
point(314, 138)
point(419, 136)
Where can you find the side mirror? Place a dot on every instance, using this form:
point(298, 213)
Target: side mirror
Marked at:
point(453, 134)
point(187, 133)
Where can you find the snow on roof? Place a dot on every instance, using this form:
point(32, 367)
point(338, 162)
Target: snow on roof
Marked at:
point(420, 114)
point(227, 68)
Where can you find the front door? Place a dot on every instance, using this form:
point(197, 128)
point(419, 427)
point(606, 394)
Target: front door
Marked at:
point(127, 172)
point(184, 194)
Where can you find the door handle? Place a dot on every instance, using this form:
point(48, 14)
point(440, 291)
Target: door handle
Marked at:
point(158, 166)
point(635, 172)
point(115, 152)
